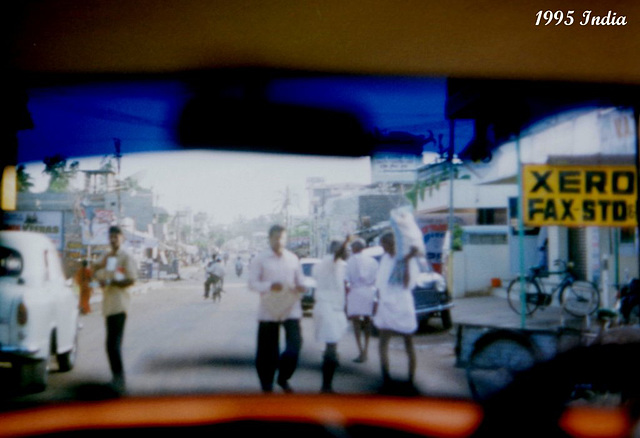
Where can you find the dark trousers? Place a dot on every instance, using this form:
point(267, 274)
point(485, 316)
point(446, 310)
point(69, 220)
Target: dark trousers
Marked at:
point(212, 279)
point(115, 334)
point(268, 357)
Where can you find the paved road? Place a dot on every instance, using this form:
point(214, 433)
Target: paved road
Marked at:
point(178, 342)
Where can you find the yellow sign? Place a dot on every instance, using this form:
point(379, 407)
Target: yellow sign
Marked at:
point(579, 195)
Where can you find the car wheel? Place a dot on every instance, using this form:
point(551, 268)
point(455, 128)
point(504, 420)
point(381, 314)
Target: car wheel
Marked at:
point(34, 375)
point(66, 361)
point(446, 319)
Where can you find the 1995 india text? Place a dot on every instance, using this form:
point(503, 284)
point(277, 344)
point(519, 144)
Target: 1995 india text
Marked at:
point(584, 18)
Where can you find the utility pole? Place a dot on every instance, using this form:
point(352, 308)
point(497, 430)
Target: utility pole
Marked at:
point(118, 156)
point(451, 219)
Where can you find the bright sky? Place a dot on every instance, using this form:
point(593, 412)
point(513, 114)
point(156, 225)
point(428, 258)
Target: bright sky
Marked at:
point(226, 184)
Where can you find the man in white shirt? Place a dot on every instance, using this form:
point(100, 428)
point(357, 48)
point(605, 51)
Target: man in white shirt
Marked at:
point(215, 276)
point(396, 312)
point(362, 271)
point(276, 274)
point(116, 273)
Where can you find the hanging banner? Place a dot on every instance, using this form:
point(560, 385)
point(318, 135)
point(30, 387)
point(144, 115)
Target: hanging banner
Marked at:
point(575, 196)
point(95, 226)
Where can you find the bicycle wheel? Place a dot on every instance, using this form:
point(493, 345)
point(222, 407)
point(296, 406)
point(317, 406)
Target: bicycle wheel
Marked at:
point(533, 296)
point(494, 364)
point(580, 298)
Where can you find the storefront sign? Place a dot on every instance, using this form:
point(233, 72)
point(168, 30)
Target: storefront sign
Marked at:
point(579, 195)
point(45, 222)
point(389, 167)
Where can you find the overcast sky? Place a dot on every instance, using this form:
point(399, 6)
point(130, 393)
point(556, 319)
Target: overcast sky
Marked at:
point(226, 184)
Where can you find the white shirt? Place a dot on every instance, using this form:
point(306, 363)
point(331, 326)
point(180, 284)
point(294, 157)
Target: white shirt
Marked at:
point(361, 271)
point(216, 269)
point(396, 308)
point(117, 299)
point(330, 286)
point(329, 317)
point(268, 268)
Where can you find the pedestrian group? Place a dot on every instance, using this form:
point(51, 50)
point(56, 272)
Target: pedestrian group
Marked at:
point(350, 285)
point(356, 288)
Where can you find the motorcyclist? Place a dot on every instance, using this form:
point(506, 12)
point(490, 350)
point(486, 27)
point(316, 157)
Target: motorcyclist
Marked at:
point(215, 275)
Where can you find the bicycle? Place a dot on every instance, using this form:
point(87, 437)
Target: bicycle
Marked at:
point(577, 297)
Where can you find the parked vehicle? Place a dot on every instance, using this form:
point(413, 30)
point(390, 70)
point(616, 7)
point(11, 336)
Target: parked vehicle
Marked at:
point(431, 296)
point(308, 298)
point(38, 309)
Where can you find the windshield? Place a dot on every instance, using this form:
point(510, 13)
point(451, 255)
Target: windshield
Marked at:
point(460, 179)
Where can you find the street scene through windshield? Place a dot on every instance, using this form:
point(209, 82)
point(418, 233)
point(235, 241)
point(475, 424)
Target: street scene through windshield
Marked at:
point(411, 270)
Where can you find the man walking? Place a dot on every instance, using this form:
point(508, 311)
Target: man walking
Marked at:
point(277, 276)
point(396, 313)
point(362, 271)
point(116, 273)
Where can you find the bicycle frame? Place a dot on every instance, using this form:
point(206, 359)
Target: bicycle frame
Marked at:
point(578, 302)
point(567, 279)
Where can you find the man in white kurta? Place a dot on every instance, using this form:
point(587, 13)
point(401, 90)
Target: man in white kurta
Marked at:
point(276, 274)
point(395, 313)
point(361, 274)
point(329, 315)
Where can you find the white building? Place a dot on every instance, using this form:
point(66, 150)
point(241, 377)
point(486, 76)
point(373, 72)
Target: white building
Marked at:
point(590, 136)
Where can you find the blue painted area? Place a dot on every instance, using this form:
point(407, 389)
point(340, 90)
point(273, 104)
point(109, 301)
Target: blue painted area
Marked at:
point(84, 120)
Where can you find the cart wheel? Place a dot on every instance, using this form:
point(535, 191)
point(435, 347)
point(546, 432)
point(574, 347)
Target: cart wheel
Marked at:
point(495, 361)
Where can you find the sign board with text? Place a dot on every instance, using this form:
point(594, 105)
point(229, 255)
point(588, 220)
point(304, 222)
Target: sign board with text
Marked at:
point(48, 223)
point(571, 196)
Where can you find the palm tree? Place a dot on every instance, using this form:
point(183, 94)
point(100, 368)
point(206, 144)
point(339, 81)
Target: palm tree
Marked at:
point(23, 179)
point(59, 175)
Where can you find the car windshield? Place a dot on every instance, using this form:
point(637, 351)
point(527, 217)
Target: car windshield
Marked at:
point(483, 224)
point(109, 155)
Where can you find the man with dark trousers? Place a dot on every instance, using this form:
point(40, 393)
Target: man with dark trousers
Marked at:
point(116, 273)
point(276, 274)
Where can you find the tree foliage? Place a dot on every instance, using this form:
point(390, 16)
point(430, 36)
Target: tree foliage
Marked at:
point(60, 176)
point(24, 180)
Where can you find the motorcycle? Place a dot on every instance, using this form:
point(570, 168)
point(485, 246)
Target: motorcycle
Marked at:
point(239, 269)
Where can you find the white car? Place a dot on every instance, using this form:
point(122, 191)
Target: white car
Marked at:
point(38, 310)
